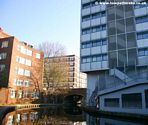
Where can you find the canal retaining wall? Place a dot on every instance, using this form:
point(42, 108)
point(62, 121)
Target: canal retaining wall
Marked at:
point(96, 111)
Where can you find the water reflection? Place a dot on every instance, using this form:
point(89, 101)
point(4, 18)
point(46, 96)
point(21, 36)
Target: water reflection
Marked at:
point(46, 116)
point(92, 120)
point(61, 116)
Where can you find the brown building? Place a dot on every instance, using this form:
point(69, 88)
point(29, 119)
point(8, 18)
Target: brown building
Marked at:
point(21, 68)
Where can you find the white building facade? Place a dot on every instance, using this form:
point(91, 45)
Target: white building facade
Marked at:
point(114, 54)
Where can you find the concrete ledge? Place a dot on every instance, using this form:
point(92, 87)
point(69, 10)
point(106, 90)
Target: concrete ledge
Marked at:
point(97, 112)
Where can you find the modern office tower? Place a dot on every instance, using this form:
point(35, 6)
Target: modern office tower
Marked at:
point(75, 78)
point(114, 54)
point(21, 68)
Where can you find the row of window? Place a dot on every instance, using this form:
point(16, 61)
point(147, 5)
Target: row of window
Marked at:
point(137, 6)
point(23, 72)
point(90, 4)
point(23, 61)
point(133, 100)
point(26, 51)
point(94, 43)
point(142, 35)
point(94, 29)
point(142, 19)
point(3, 56)
point(94, 16)
point(4, 44)
point(2, 67)
point(23, 50)
point(143, 52)
point(95, 58)
point(23, 94)
point(18, 82)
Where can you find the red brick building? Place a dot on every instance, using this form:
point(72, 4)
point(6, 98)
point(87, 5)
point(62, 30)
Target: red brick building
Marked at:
point(21, 68)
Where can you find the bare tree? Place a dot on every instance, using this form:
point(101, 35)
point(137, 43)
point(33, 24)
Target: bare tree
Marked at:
point(51, 49)
point(55, 67)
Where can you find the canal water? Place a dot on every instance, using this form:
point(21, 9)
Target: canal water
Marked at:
point(62, 116)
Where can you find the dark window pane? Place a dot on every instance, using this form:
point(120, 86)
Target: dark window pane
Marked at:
point(112, 43)
point(111, 14)
point(131, 40)
point(132, 57)
point(121, 41)
point(130, 25)
point(111, 102)
point(111, 28)
point(120, 26)
point(122, 58)
point(133, 100)
point(146, 98)
point(119, 12)
point(113, 59)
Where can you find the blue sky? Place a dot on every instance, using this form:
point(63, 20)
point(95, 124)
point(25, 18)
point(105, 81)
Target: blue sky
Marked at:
point(36, 21)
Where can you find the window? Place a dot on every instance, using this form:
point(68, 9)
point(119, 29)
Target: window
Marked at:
point(96, 15)
point(142, 35)
point(22, 60)
point(71, 63)
point(15, 82)
point(27, 83)
point(111, 102)
point(2, 67)
point(28, 62)
point(3, 56)
point(20, 93)
point(18, 47)
point(18, 83)
point(27, 73)
point(142, 19)
point(86, 18)
point(133, 100)
point(29, 52)
point(146, 98)
point(38, 56)
point(99, 42)
point(21, 82)
point(86, 31)
point(94, 58)
point(23, 50)
point(35, 95)
point(104, 42)
point(71, 58)
point(71, 74)
point(4, 44)
point(85, 59)
point(104, 57)
point(17, 59)
point(12, 93)
point(21, 71)
point(86, 45)
point(137, 6)
point(87, 5)
point(143, 52)
point(96, 43)
point(25, 94)
point(99, 58)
